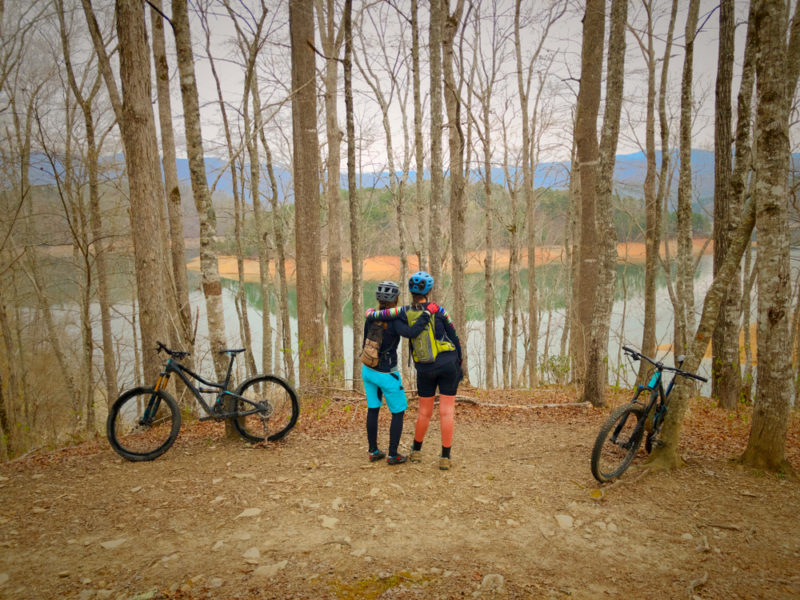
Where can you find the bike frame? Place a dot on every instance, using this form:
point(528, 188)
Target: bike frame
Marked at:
point(187, 375)
point(657, 400)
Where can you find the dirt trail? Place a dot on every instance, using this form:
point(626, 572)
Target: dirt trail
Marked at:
point(311, 518)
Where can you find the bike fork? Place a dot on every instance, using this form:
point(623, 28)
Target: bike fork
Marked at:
point(154, 402)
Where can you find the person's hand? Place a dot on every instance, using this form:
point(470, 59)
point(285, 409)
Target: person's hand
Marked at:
point(433, 307)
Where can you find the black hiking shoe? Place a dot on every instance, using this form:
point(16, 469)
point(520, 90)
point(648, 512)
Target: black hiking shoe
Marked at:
point(398, 459)
point(376, 455)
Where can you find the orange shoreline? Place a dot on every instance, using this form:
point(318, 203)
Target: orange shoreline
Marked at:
point(378, 268)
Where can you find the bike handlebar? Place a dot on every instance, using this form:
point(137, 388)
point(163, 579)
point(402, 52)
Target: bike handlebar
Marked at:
point(173, 353)
point(661, 366)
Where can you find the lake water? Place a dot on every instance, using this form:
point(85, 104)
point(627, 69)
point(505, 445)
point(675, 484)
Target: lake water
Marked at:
point(551, 283)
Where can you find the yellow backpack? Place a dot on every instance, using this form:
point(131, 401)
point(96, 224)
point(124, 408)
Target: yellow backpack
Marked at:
point(425, 347)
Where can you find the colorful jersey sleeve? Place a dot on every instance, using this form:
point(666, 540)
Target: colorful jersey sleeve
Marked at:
point(387, 314)
point(450, 329)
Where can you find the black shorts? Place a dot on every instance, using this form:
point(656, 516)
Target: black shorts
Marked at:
point(445, 377)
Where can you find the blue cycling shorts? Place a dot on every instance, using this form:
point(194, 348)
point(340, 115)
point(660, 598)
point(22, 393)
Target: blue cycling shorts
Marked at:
point(389, 384)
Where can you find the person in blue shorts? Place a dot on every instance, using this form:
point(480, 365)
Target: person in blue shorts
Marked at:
point(384, 378)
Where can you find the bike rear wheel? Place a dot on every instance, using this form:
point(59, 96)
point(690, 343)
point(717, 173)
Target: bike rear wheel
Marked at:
point(617, 443)
point(276, 404)
point(143, 424)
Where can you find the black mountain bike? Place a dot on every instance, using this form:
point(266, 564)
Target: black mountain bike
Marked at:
point(621, 435)
point(144, 421)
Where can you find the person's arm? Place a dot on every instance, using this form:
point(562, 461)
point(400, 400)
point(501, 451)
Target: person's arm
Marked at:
point(387, 314)
point(450, 330)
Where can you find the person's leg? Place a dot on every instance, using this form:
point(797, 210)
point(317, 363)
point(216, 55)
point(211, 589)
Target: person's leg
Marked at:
point(373, 408)
point(372, 429)
point(447, 406)
point(395, 431)
point(426, 388)
point(448, 386)
point(424, 415)
point(395, 397)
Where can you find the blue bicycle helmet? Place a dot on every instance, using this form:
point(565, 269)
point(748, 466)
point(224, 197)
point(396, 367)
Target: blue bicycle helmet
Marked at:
point(387, 291)
point(420, 283)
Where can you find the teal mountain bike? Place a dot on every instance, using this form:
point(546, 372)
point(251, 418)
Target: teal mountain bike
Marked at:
point(623, 432)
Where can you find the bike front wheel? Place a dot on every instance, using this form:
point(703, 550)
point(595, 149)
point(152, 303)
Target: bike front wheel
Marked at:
point(273, 405)
point(143, 423)
point(617, 443)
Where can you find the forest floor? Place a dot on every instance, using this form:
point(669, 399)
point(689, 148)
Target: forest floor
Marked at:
point(310, 517)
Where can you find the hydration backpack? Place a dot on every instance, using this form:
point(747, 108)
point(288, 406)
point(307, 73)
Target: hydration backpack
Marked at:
point(370, 353)
point(425, 347)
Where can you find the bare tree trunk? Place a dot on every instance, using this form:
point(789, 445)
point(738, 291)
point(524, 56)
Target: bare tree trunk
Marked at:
point(684, 315)
point(666, 456)
point(310, 328)
point(352, 193)
point(523, 87)
point(137, 125)
point(596, 367)
point(488, 261)
point(250, 42)
point(96, 247)
point(766, 447)
point(423, 207)
point(729, 187)
point(588, 154)
point(237, 173)
point(174, 208)
point(331, 45)
point(146, 193)
point(202, 198)
point(280, 260)
point(665, 173)
point(458, 208)
point(652, 203)
point(437, 176)
point(262, 232)
point(572, 236)
point(739, 186)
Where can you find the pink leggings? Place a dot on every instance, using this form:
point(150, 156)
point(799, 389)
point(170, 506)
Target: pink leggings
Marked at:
point(447, 405)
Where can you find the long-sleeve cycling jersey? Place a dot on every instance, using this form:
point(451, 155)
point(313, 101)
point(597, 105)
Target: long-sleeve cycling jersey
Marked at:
point(387, 354)
point(443, 328)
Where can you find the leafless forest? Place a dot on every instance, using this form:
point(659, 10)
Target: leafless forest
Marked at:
point(308, 140)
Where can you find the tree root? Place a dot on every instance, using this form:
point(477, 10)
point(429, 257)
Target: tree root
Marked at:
point(755, 461)
point(662, 460)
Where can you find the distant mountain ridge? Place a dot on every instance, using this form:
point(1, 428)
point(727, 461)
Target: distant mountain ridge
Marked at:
point(629, 174)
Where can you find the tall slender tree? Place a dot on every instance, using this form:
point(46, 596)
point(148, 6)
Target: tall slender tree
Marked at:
point(725, 370)
point(212, 289)
point(777, 75)
point(684, 313)
point(308, 248)
point(435, 242)
point(456, 144)
point(331, 46)
point(174, 209)
point(137, 125)
point(352, 192)
point(588, 153)
point(596, 371)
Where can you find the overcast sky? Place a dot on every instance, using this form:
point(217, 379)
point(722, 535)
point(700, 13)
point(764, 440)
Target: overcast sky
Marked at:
point(563, 42)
